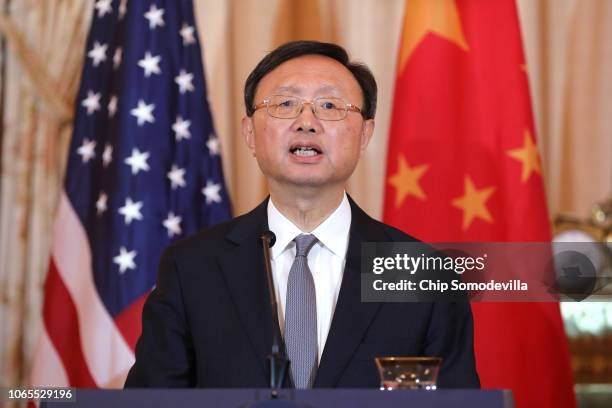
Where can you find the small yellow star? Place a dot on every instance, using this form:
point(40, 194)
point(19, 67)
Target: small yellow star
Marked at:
point(528, 156)
point(473, 203)
point(421, 17)
point(406, 181)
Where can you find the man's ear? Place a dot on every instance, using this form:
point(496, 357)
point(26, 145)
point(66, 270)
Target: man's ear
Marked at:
point(248, 134)
point(366, 133)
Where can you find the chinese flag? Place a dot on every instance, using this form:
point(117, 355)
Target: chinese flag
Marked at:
point(463, 165)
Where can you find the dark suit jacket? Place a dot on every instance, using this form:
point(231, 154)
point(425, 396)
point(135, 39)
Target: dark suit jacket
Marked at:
point(208, 322)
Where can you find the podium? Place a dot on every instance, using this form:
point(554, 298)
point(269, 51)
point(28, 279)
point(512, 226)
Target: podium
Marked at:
point(314, 398)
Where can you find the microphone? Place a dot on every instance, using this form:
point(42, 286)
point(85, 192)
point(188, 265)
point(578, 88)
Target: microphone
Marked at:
point(270, 238)
point(277, 361)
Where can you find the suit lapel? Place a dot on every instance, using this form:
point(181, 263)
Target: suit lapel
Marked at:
point(351, 317)
point(244, 273)
point(243, 269)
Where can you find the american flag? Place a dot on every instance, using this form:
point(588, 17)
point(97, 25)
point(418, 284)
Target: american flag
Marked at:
point(143, 170)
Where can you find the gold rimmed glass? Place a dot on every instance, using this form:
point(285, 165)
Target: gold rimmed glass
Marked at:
point(413, 373)
point(289, 107)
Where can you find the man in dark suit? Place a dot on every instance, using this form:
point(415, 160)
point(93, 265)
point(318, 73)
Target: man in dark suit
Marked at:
point(310, 116)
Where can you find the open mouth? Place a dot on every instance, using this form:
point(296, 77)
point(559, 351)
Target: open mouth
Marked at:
point(305, 151)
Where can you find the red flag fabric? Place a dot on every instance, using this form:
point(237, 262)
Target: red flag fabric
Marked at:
point(463, 165)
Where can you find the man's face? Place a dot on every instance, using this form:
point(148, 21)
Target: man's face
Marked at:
point(338, 144)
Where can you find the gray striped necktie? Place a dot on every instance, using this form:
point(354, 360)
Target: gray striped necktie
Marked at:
point(301, 316)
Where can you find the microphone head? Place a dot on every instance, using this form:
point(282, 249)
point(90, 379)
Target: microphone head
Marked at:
point(269, 237)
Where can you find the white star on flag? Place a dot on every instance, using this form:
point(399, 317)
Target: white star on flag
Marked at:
point(104, 7)
point(87, 150)
point(98, 53)
point(187, 33)
point(211, 191)
point(176, 176)
point(117, 57)
point(173, 224)
point(92, 102)
point(150, 64)
point(213, 145)
point(155, 16)
point(101, 203)
point(184, 81)
point(112, 106)
point(143, 112)
point(131, 210)
point(181, 128)
point(138, 161)
point(107, 155)
point(125, 260)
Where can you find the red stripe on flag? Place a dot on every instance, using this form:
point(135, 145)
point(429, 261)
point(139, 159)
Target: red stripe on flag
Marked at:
point(62, 323)
point(129, 321)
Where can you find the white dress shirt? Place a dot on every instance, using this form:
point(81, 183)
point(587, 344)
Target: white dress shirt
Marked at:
point(326, 261)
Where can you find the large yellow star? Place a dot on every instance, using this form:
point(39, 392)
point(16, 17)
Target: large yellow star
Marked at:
point(406, 181)
point(424, 16)
point(528, 156)
point(473, 203)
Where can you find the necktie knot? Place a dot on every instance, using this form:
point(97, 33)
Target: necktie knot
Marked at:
point(304, 243)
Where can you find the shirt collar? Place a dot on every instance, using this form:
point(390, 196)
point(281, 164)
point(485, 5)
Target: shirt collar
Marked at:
point(333, 232)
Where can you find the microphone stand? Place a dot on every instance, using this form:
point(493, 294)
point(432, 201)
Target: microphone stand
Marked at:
point(277, 361)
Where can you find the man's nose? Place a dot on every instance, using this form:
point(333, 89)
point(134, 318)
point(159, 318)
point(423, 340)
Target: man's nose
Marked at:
point(306, 121)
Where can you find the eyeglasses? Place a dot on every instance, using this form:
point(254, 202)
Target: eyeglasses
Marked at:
point(289, 107)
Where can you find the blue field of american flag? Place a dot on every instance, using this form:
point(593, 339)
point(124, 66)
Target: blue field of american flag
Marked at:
point(144, 169)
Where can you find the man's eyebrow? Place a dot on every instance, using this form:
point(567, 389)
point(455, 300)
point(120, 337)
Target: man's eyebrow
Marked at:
point(295, 90)
point(291, 89)
point(328, 88)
